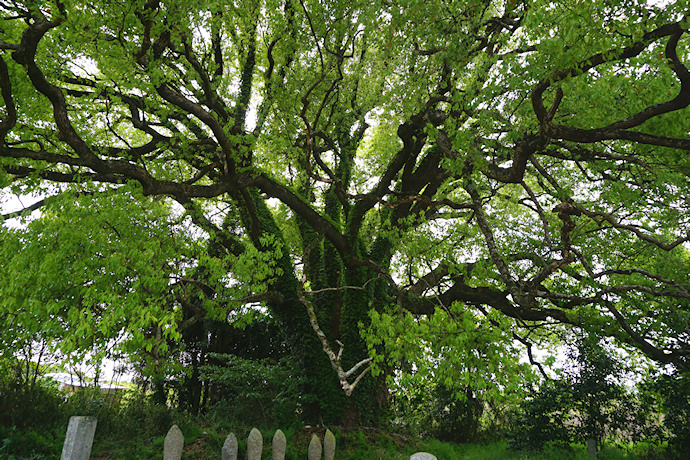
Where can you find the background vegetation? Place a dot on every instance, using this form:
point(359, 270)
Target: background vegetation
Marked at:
point(648, 421)
point(463, 221)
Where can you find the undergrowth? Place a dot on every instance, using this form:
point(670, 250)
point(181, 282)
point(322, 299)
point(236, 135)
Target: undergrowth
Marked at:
point(135, 429)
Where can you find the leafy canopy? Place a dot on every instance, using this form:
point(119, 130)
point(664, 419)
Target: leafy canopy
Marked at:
point(468, 173)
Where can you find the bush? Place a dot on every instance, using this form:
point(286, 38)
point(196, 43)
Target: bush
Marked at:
point(541, 420)
point(586, 403)
point(32, 412)
point(92, 402)
point(454, 419)
point(139, 416)
point(26, 400)
point(424, 407)
point(261, 392)
point(670, 394)
point(32, 443)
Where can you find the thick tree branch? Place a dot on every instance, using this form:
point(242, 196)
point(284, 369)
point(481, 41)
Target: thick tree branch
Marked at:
point(620, 129)
point(116, 176)
point(483, 224)
point(681, 101)
point(521, 153)
point(313, 218)
point(599, 216)
point(247, 76)
point(540, 211)
point(644, 345)
point(413, 137)
point(596, 60)
point(233, 245)
point(10, 119)
point(210, 96)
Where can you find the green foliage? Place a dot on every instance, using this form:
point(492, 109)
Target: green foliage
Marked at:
point(455, 419)
point(447, 178)
point(92, 269)
point(26, 399)
point(33, 413)
point(262, 392)
point(455, 347)
point(443, 414)
point(30, 443)
point(134, 418)
point(137, 416)
point(588, 401)
point(670, 395)
point(542, 420)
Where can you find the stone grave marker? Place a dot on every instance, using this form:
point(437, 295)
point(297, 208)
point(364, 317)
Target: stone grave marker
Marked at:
point(229, 451)
point(592, 448)
point(329, 446)
point(423, 456)
point(279, 445)
point(314, 448)
point(174, 444)
point(255, 444)
point(79, 438)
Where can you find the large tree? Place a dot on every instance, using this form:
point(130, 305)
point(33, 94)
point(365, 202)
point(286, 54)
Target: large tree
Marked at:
point(476, 170)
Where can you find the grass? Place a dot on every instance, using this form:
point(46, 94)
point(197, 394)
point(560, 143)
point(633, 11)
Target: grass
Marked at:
point(136, 431)
point(205, 442)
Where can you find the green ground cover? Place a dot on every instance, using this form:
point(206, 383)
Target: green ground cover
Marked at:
point(143, 439)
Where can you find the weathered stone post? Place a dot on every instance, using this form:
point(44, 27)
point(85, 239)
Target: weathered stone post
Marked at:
point(315, 449)
point(328, 445)
point(592, 448)
point(79, 438)
point(174, 444)
point(279, 445)
point(229, 451)
point(255, 444)
point(423, 456)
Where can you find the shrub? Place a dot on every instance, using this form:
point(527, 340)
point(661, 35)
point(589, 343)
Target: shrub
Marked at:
point(26, 400)
point(32, 412)
point(586, 403)
point(455, 419)
point(541, 420)
point(670, 394)
point(261, 392)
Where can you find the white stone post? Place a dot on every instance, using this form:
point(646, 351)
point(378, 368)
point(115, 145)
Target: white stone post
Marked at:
point(79, 438)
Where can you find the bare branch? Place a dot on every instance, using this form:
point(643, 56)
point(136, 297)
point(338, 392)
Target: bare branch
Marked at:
point(332, 356)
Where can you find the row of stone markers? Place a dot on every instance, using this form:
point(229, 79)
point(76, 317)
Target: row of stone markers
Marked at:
point(174, 445)
point(81, 430)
